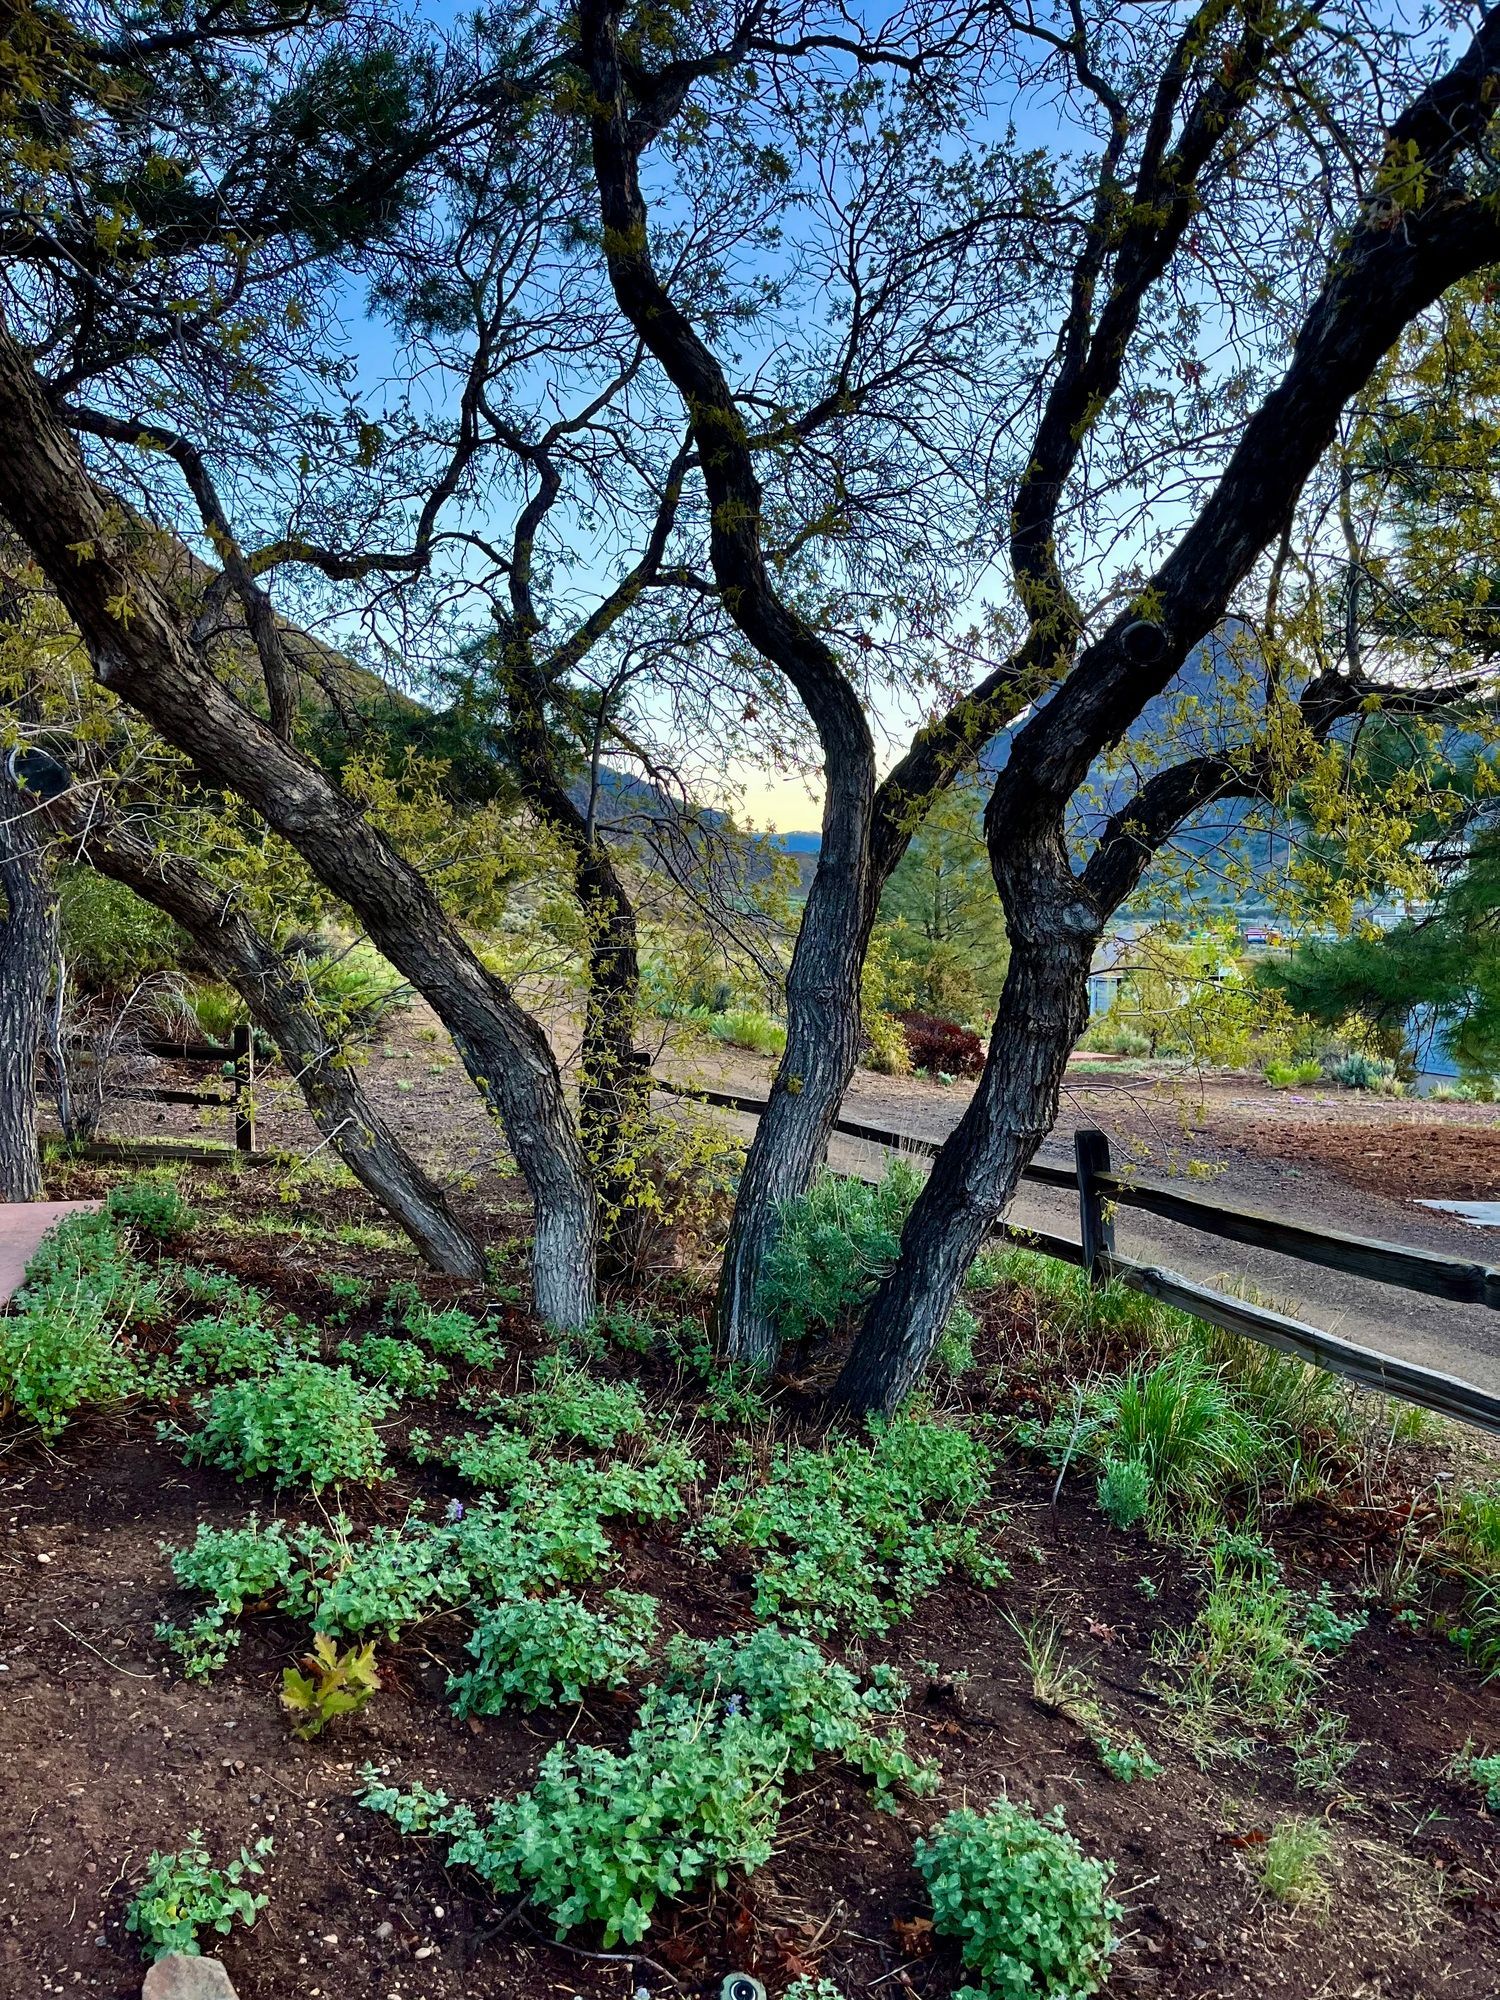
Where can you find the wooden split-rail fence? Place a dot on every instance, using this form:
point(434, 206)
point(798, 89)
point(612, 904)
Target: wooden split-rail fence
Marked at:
point(1100, 1192)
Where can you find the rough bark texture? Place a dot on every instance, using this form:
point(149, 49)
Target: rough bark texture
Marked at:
point(28, 945)
point(1042, 1011)
point(281, 1002)
point(610, 1095)
point(139, 649)
point(1390, 269)
point(823, 981)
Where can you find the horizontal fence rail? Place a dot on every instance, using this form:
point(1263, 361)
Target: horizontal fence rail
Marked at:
point(1100, 1191)
point(236, 1065)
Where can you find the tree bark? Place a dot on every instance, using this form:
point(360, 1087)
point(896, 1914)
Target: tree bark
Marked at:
point(86, 546)
point(1387, 271)
point(823, 980)
point(1043, 1006)
point(28, 945)
point(611, 1097)
point(281, 1001)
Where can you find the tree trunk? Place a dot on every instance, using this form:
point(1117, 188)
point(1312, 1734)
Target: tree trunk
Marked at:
point(821, 1046)
point(28, 942)
point(611, 1098)
point(140, 650)
point(280, 1000)
point(1042, 1011)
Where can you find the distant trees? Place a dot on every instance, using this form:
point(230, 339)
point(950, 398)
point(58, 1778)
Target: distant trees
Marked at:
point(940, 914)
point(1438, 973)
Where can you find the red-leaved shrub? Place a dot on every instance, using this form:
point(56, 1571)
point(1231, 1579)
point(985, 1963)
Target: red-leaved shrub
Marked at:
point(937, 1044)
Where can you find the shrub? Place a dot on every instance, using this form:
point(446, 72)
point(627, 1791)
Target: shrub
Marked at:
point(219, 1010)
point(886, 1051)
point(542, 1651)
point(783, 1682)
point(60, 1344)
point(833, 1244)
point(1124, 1490)
point(938, 1045)
point(1280, 1075)
point(1359, 1071)
point(746, 1028)
point(855, 1532)
point(1029, 1909)
point(955, 1350)
point(184, 1893)
point(1110, 1037)
point(303, 1421)
point(154, 1205)
point(111, 938)
point(696, 1793)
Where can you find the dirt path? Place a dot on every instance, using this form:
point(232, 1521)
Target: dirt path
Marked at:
point(1351, 1162)
point(1347, 1160)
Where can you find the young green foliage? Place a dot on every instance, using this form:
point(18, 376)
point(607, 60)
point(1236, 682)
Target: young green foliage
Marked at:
point(399, 1365)
point(538, 1652)
point(61, 1344)
point(328, 1684)
point(154, 1205)
point(305, 1421)
point(695, 1795)
point(854, 1533)
point(184, 1893)
point(1031, 1912)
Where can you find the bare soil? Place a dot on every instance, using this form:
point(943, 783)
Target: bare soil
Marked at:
point(108, 1754)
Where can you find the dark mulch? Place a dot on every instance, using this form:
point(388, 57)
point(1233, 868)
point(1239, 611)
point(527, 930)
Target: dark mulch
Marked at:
point(108, 1754)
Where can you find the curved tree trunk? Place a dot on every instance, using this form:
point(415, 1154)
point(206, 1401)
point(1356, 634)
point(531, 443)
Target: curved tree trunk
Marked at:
point(139, 649)
point(1042, 1011)
point(822, 1044)
point(611, 1099)
point(28, 945)
point(823, 985)
point(281, 1001)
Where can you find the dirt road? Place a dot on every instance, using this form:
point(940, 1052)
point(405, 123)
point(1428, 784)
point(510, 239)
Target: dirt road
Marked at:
point(1314, 1157)
point(1352, 1161)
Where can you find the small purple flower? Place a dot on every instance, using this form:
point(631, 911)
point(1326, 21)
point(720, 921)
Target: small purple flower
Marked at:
point(735, 1705)
point(455, 1510)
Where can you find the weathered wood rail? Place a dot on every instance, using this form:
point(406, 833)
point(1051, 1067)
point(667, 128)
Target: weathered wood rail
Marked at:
point(236, 1066)
point(1101, 1192)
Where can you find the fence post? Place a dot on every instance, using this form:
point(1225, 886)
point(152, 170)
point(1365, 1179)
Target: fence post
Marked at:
point(243, 1045)
point(1096, 1227)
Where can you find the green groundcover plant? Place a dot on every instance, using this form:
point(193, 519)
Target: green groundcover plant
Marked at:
point(184, 1893)
point(63, 1344)
point(1030, 1910)
point(853, 1533)
point(304, 1421)
point(696, 1794)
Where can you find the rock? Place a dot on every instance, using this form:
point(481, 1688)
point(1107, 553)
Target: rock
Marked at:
point(179, 1977)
